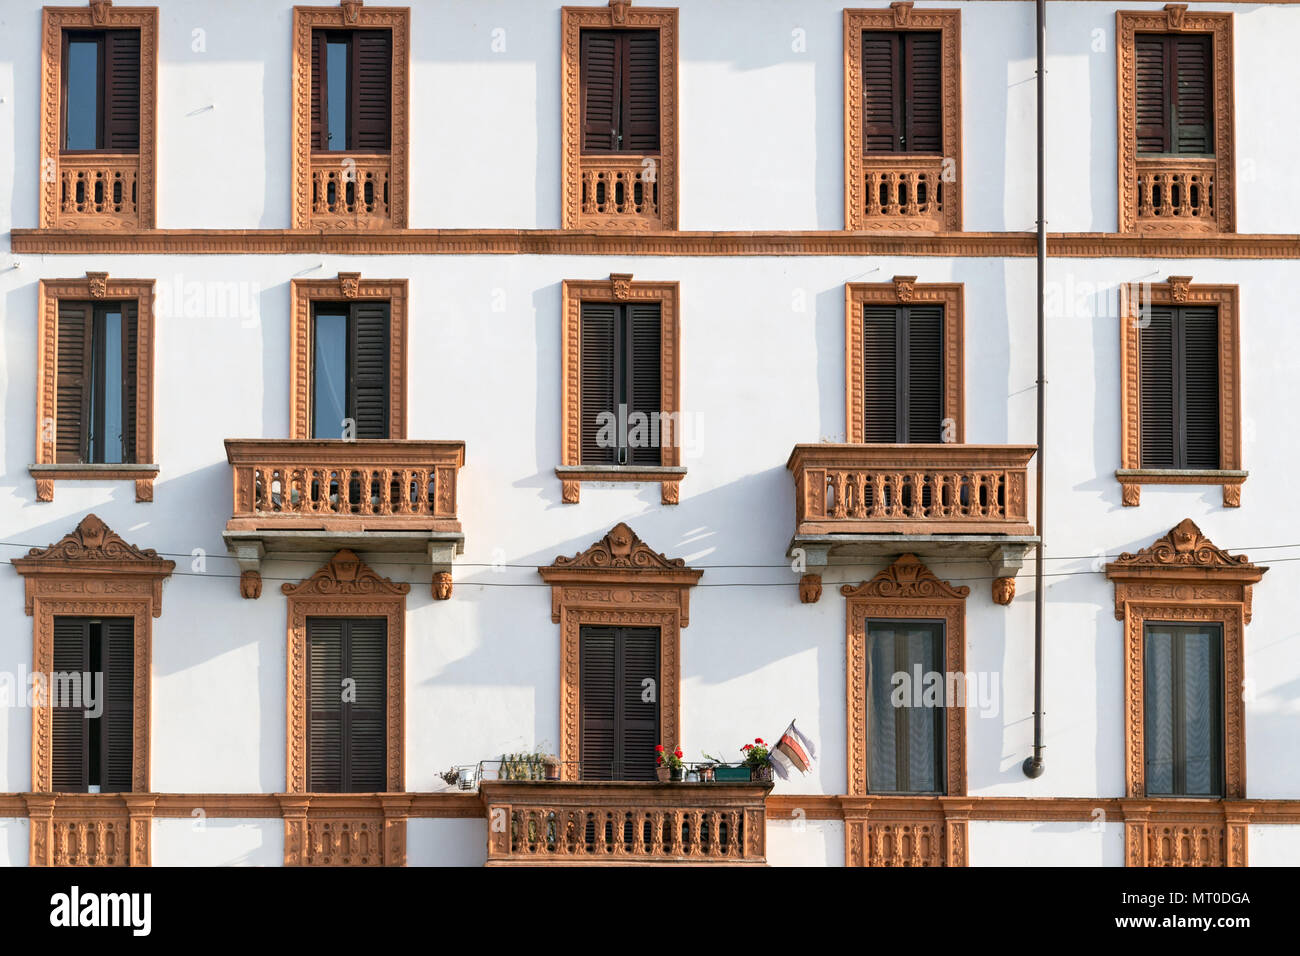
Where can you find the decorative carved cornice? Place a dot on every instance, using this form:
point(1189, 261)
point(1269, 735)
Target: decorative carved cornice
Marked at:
point(907, 577)
point(345, 574)
point(93, 545)
point(1184, 548)
point(620, 549)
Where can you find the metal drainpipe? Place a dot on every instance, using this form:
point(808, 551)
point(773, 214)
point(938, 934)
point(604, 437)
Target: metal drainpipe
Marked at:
point(1033, 766)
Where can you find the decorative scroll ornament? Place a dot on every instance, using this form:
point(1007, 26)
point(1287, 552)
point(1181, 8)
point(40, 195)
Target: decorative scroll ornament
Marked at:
point(91, 542)
point(98, 284)
point(621, 548)
point(345, 573)
point(350, 284)
point(1179, 286)
point(905, 286)
point(1183, 546)
point(907, 577)
point(622, 285)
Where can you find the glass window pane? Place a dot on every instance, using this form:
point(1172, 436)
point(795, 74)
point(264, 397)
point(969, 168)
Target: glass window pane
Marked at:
point(1183, 689)
point(906, 689)
point(330, 368)
point(112, 391)
point(336, 75)
point(882, 727)
point(82, 104)
point(922, 659)
point(1200, 731)
point(1159, 696)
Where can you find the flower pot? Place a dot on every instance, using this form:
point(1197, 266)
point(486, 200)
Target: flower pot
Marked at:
point(663, 774)
point(552, 771)
point(466, 779)
point(706, 774)
point(678, 774)
point(733, 774)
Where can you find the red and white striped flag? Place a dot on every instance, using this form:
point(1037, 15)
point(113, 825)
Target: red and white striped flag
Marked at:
point(795, 750)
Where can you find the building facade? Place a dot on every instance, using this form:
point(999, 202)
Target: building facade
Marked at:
point(572, 379)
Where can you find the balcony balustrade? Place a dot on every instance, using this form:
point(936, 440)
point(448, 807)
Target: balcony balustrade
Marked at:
point(98, 191)
point(620, 192)
point(350, 192)
point(1177, 194)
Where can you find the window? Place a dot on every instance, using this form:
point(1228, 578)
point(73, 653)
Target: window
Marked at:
point(1183, 681)
point(350, 370)
point(620, 416)
point(905, 725)
point(351, 75)
point(1176, 162)
point(92, 693)
point(620, 383)
point(620, 726)
point(1178, 355)
point(1180, 399)
point(346, 719)
point(348, 365)
point(902, 360)
point(98, 123)
point(620, 118)
point(902, 119)
point(94, 402)
point(97, 370)
point(904, 367)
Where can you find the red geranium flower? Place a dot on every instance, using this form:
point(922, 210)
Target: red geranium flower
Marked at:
point(677, 753)
point(747, 747)
point(758, 740)
point(659, 748)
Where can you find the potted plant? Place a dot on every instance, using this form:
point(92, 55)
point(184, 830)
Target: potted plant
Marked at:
point(449, 777)
point(758, 759)
point(724, 772)
point(670, 766)
point(707, 769)
point(551, 766)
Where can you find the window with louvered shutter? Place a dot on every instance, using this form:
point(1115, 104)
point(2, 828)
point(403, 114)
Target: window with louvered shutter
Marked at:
point(347, 700)
point(1178, 380)
point(905, 732)
point(1183, 703)
point(902, 92)
point(1175, 90)
point(93, 751)
point(619, 728)
point(98, 370)
point(351, 90)
point(101, 84)
point(350, 368)
point(621, 383)
point(72, 395)
point(902, 361)
point(619, 79)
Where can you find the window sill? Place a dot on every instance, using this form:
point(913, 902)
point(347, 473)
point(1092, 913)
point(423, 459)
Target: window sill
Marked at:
point(1132, 479)
point(572, 476)
point(46, 475)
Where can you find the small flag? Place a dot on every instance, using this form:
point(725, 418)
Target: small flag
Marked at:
point(795, 750)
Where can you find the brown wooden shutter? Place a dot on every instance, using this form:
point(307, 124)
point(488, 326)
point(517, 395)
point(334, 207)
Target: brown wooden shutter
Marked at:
point(923, 392)
point(69, 729)
point(1157, 384)
point(902, 92)
point(880, 373)
point(1194, 94)
point(72, 387)
point(1153, 95)
point(319, 138)
point(923, 71)
point(325, 704)
point(902, 367)
point(122, 91)
point(640, 124)
point(619, 728)
point(643, 379)
point(117, 723)
point(599, 77)
point(1200, 363)
point(130, 373)
point(369, 369)
point(882, 94)
point(372, 122)
point(597, 375)
point(366, 662)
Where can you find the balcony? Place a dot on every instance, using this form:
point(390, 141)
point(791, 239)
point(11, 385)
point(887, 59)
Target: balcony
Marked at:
point(1177, 195)
point(856, 503)
point(311, 496)
point(603, 823)
point(620, 192)
point(98, 191)
point(904, 194)
point(350, 192)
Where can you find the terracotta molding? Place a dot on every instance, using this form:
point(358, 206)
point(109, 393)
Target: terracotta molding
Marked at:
point(904, 290)
point(1178, 291)
point(619, 288)
point(350, 16)
point(1184, 577)
point(573, 20)
point(907, 589)
point(95, 286)
point(902, 16)
point(618, 581)
point(92, 571)
point(348, 286)
point(345, 587)
point(1175, 18)
point(541, 242)
point(95, 16)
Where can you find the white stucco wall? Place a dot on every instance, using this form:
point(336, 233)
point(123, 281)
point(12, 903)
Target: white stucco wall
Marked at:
point(814, 843)
point(15, 841)
point(1002, 843)
point(217, 842)
point(1274, 845)
point(438, 842)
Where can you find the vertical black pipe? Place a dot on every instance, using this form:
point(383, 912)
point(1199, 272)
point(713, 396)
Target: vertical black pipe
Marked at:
point(1033, 766)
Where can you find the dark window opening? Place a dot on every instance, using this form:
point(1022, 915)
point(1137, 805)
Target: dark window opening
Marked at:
point(619, 79)
point(906, 714)
point(347, 692)
point(1183, 699)
point(902, 92)
point(1178, 378)
point(92, 697)
point(618, 700)
point(620, 377)
point(96, 383)
point(902, 367)
point(351, 91)
point(350, 366)
point(101, 91)
point(1175, 93)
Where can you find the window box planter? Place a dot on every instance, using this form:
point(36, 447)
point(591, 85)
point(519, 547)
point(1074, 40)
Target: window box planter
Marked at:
point(723, 774)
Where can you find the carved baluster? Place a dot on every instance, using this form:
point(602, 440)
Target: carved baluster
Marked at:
point(837, 493)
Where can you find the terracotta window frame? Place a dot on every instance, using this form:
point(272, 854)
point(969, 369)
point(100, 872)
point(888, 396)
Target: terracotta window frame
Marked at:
point(619, 581)
point(92, 571)
point(347, 287)
point(98, 15)
point(1184, 577)
point(905, 290)
point(619, 288)
point(618, 15)
point(345, 586)
point(900, 17)
point(1179, 291)
point(95, 287)
point(350, 15)
point(1173, 19)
